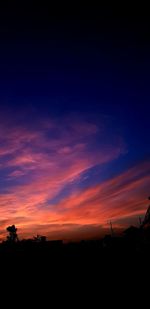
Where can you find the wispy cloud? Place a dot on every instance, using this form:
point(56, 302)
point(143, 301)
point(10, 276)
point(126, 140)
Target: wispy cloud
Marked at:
point(38, 163)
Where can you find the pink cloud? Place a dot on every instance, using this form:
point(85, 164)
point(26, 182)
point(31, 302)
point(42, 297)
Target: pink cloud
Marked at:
point(15, 174)
point(50, 158)
point(122, 197)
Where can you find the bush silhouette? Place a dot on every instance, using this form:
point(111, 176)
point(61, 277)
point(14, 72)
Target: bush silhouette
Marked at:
point(40, 238)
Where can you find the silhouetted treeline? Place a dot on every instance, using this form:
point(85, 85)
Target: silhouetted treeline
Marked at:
point(134, 241)
point(133, 244)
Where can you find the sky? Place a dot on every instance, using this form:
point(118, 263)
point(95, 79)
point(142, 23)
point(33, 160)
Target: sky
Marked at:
point(74, 120)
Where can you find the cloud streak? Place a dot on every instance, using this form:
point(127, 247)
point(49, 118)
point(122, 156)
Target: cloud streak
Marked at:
point(39, 163)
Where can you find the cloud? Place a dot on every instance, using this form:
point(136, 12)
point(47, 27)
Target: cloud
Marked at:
point(118, 199)
point(38, 162)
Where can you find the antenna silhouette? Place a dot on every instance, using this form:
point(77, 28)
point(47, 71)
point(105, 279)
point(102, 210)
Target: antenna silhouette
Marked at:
point(111, 228)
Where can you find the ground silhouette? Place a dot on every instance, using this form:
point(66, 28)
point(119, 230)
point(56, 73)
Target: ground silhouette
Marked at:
point(108, 255)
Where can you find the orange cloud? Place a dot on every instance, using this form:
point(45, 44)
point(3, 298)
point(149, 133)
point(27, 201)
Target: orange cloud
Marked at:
point(38, 164)
point(120, 198)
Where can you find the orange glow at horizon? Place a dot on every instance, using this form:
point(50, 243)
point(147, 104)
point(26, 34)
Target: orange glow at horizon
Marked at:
point(120, 199)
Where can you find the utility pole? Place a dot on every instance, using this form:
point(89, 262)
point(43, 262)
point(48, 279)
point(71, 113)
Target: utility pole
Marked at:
point(111, 228)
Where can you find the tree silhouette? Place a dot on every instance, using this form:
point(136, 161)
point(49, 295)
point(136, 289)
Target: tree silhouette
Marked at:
point(12, 230)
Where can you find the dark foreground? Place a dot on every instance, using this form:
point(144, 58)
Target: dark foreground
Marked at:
point(109, 269)
point(110, 254)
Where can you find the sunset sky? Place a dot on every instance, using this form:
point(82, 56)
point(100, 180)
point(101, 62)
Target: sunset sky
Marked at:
point(74, 122)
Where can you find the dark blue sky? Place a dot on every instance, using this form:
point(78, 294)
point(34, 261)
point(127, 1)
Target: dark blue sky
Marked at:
point(85, 60)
